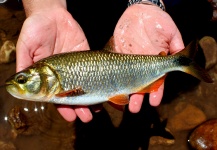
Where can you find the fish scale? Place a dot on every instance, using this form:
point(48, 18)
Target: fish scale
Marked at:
point(120, 71)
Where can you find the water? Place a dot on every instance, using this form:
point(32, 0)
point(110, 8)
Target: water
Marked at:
point(187, 103)
point(30, 125)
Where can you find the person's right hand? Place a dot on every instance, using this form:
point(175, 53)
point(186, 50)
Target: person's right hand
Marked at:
point(46, 32)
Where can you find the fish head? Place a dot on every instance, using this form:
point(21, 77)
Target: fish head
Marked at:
point(36, 83)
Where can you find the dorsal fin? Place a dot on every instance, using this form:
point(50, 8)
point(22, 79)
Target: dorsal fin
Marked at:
point(190, 50)
point(110, 45)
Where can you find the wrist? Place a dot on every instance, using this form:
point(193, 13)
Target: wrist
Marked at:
point(158, 3)
point(35, 6)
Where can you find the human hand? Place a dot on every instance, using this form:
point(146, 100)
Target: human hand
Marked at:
point(146, 29)
point(47, 32)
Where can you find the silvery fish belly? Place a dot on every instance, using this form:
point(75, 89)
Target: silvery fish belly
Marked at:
point(92, 77)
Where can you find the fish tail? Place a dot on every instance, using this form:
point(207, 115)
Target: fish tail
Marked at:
point(198, 72)
point(185, 59)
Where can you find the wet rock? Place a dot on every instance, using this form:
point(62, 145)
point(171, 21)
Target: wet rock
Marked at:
point(158, 140)
point(5, 13)
point(6, 133)
point(187, 116)
point(26, 120)
point(10, 23)
point(214, 7)
point(204, 137)
point(20, 15)
point(44, 120)
point(209, 46)
point(17, 119)
point(2, 35)
point(7, 52)
point(11, 27)
point(7, 146)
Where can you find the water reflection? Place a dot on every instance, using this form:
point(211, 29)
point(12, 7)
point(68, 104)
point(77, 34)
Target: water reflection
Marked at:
point(31, 125)
point(6, 118)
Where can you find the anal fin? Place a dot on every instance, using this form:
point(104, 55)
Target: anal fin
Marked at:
point(121, 99)
point(153, 87)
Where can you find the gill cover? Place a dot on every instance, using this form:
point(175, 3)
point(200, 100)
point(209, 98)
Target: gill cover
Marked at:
point(37, 83)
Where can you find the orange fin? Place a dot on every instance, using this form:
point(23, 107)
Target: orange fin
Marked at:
point(121, 99)
point(153, 87)
point(163, 53)
point(73, 92)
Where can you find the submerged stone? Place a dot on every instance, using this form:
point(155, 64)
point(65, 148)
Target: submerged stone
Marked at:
point(187, 117)
point(159, 140)
point(7, 52)
point(209, 46)
point(204, 137)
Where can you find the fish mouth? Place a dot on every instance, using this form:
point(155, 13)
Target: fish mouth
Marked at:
point(7, 83)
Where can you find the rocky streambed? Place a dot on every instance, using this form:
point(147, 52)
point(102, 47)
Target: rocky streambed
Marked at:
point(186, 107)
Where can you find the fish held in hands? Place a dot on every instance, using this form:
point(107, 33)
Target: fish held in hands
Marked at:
point(93, 77)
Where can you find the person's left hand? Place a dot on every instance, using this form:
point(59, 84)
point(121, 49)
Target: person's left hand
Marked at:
point(146, 29)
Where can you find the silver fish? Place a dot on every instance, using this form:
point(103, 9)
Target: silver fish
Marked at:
point(93, 77)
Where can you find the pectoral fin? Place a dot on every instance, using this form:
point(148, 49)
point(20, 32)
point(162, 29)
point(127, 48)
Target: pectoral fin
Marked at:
point(72, 92)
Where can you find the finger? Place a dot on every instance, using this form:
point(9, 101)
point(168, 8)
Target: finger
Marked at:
point(23, 58)
point(135, 102)
point(67, 112)
point(176, 44)
point(84, 113)
point(155, 97)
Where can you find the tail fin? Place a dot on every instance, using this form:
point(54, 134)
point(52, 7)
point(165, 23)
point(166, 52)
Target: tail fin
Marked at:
point(190, 67)
point(198, 72)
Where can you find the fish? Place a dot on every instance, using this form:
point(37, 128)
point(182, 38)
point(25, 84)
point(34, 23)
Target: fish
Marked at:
point(94, 77)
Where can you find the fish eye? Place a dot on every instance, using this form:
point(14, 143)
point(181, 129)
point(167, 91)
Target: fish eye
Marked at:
point(21, 79)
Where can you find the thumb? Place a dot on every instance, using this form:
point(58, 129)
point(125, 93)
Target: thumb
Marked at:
point(23, 58)
point(176, 44)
